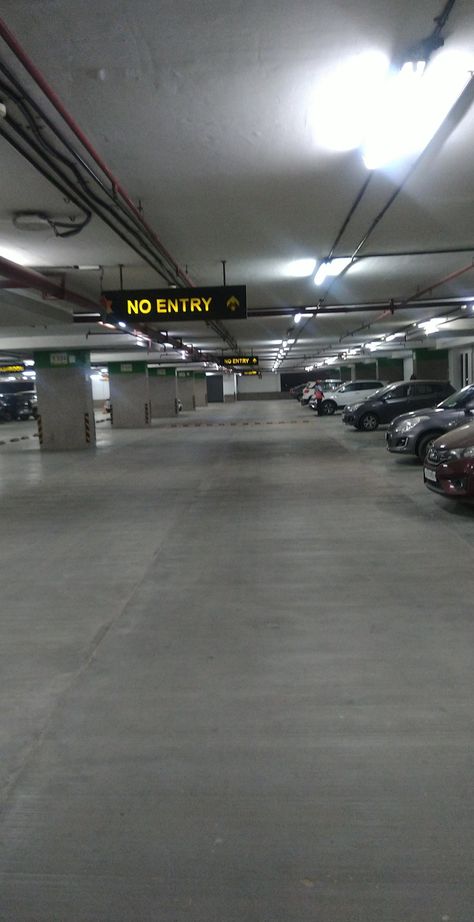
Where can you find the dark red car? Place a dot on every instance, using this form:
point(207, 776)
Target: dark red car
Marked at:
point(449, 463)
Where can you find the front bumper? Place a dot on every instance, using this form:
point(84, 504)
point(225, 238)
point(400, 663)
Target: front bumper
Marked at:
point(454, 479)
point(400, 444)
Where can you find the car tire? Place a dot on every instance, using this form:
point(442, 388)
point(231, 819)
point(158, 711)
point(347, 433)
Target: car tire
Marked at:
point(328, 407)
point(424, 444)
point(368, 422)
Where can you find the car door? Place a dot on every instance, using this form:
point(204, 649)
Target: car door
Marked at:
point(395, 403)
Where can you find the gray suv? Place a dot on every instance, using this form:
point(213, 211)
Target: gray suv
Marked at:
point(391, 401)
point(411, 433)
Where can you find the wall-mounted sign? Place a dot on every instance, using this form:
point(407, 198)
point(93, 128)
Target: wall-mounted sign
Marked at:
point(127, 368)
point(164, 305)
point(15, 369)
point(242, 360)
point(77, 359)
point(252, 371)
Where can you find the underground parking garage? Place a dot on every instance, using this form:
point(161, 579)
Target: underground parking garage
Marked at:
point(235, 658)
point(236, 674)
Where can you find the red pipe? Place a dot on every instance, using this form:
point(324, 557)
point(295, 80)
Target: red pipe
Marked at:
point(54, 99)
point(446, 278)
point(28, 278)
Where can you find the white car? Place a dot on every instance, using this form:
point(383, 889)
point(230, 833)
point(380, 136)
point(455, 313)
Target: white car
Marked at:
point(349, 392)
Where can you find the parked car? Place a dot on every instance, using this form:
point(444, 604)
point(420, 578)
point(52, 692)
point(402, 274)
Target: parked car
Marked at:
point(19, 405)
point(411, 433)
point(348, 393)
point(307, 393)
point(449, 463)
point(297, 390)
point(391, 401)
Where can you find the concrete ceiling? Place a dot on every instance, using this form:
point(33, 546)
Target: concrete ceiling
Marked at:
point(203, 112)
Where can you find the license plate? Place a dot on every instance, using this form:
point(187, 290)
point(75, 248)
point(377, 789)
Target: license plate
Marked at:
point(430, 475)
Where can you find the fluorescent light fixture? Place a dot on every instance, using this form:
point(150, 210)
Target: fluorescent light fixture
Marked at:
point(332, 268)
point(300, 268)
point(330, 360)
point(28, 362)
point(393, 336)
point(432, 325)
point(344, 101)
point(416, 100)
point(122, 325)
point(321, 274)
point(297, 318)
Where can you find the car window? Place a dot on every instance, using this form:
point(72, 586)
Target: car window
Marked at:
point(401, 390)
point(421, 388)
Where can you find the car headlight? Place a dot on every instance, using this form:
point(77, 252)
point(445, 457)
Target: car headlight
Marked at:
point(457, 453)
point(353, 406)
point(409, 424)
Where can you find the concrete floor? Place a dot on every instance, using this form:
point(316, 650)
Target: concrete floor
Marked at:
point(236, 677)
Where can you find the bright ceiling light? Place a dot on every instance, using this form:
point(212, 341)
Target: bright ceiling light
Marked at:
point(344, 101)
point(393, 336)
point(297, 318)
point(16, 255)
point(300, 268)
point(416, 100)
point(332, 268)
point(321, 274)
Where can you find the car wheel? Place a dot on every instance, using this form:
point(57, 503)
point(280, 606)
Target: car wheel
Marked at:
point(424, 444)
point(328, 407)
point(368, 422)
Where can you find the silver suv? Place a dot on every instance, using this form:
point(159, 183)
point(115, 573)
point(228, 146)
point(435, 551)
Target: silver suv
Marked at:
point(412, 433)
point(349, 392)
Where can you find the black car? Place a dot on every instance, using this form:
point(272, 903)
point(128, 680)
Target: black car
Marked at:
point(395, 399)
point(20, 405)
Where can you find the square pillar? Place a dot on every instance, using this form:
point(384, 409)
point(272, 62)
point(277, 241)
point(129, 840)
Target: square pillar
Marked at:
point(200, 388)
point(185, 383)
point(65, 405)
point(129, 395)
point(162, 387)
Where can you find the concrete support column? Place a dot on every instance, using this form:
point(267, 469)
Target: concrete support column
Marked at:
point(230, 388)
point(200, 388)
point(162, 385)
point(129, 395)
point(185, 382)
point(65, 405)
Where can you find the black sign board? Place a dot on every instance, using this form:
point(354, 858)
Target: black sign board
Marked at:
point(13, 368)
point(167, 305)
point(245, 361)
point(252, 371)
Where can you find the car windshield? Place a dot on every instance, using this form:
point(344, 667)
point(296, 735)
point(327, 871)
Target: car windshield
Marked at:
point(459, 399)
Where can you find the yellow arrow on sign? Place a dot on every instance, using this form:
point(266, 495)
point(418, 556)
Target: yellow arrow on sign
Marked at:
point(233, 303)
